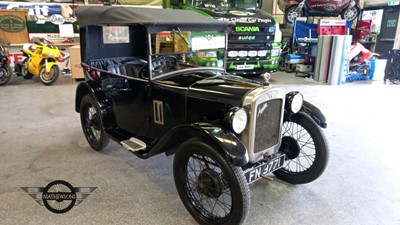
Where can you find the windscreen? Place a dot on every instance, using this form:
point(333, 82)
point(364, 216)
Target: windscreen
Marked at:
point(222, 5)
point(176, 50)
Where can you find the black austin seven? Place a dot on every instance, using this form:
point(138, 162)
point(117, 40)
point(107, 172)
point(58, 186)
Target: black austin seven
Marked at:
point(155, 83)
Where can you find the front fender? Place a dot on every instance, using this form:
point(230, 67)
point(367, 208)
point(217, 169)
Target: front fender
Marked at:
point(229, 144)
point(50, 65)
point(315, 113)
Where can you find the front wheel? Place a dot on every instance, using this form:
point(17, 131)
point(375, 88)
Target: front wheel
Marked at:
point(5, 74)
point(350, 13)
point(306, 150)
point(212, 190)
point(48, 78)
point(92, 124)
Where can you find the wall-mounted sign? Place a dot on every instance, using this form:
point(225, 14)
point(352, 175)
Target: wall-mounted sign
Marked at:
point(33, 9)
point(393, 3)
point(11, 23)
point(391, 23)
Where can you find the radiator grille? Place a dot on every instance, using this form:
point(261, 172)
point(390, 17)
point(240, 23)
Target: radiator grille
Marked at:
point(268, 118)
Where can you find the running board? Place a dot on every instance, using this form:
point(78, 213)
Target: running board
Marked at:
point(134, 144)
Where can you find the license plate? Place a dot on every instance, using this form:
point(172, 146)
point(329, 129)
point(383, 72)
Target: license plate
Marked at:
point(244, 67)
point(258, 172)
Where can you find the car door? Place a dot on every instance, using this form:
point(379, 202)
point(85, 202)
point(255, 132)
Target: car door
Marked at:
point(130, 105)
point(168, 108)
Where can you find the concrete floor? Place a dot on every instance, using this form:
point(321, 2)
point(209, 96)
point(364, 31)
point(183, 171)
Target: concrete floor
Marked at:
point(41, 140)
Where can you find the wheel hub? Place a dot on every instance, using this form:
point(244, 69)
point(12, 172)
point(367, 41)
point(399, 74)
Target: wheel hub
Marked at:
point(209, 183)
point(94, 122)
point(290, 147)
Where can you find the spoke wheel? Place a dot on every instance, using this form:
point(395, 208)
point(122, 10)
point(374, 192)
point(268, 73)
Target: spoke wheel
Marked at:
point(91, 123)
point(48, 78)
point(212, 190)
point(5, 74)
point(306, 148)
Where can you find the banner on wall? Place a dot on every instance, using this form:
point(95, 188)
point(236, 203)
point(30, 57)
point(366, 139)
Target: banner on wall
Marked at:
point(376, 17)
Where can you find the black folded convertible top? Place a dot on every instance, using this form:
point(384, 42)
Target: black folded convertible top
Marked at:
point(102, 15)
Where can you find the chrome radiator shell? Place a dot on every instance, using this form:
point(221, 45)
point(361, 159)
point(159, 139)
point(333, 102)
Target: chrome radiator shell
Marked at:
point(265, 106)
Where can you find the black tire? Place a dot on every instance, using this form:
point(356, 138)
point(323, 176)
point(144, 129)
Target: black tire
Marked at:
point(216, 192)
point(292, 13)
point(92, 124)
point(282, 63)
point(308, 150)
point(49, 79)
point(24, 70)
point(6, 74)
point(351, 13)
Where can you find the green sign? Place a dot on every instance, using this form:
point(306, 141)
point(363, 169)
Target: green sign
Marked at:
point(391, 23)
point(11, 23)
point(247, 29)
point(393, 3)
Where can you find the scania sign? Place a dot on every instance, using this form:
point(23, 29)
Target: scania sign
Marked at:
point(247, 29)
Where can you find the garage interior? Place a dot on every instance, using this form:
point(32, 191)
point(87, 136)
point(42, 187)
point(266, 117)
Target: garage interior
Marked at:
point(41, 140)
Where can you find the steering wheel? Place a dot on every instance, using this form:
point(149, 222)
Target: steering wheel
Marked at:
point(159, 64)
point(162, 62)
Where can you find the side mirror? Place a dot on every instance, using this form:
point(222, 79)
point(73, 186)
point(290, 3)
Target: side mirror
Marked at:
point(260, 4)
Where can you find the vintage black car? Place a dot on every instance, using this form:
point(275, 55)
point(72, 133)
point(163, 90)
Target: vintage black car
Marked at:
point(155, 83)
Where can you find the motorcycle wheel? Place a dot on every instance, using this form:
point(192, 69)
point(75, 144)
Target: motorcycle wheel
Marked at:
point(350, 13)
point(6, 75)
point(92, 125)
point(51, 77)
point(306, 150)
point(24, 70)
point(292, 13)
point(212, 189)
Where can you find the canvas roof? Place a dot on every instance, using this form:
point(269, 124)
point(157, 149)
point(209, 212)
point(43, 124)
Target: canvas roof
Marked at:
point(103, 15)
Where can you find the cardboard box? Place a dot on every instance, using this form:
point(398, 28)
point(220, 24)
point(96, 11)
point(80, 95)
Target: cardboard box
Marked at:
point(75, 61)
point(304, 68)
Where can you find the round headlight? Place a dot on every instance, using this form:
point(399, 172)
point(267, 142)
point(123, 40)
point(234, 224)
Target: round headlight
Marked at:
point(252, 53)
point(232, 54)
point(220, 63)
point(295, 101)
point(262, 53)
point(242, 53)
point(238, 120)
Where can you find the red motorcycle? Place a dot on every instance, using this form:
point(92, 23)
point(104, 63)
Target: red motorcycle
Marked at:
point(360, 58)
point(347, 9)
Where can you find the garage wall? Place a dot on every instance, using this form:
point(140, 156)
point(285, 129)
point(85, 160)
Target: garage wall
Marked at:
point(376, 2)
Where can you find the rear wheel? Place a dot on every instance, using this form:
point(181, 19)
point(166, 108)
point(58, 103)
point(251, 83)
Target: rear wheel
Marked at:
point(48, 78)
point(292, 13)
point(5, 74)
point(350, 13)
point(92, 124)
point(306, 150)
point(212, 190)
